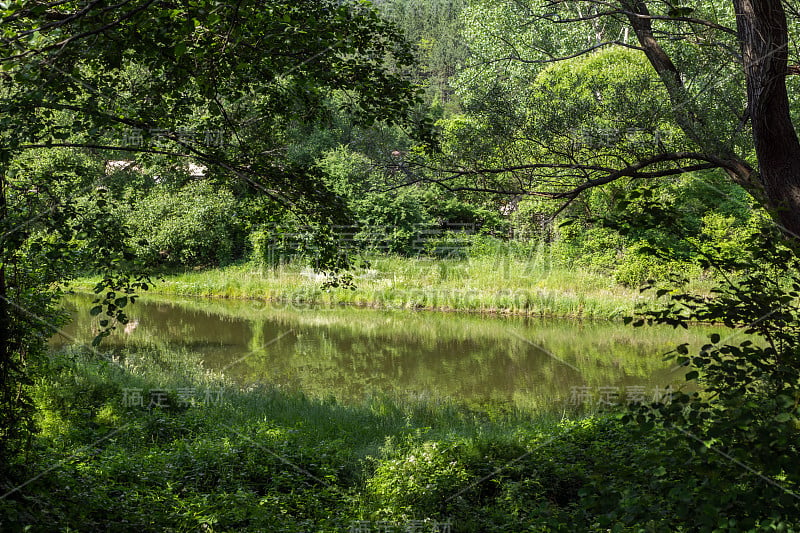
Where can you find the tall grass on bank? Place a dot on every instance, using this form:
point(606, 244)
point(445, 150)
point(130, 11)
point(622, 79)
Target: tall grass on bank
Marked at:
point(273, 459)
point(484, 284)
point(262, 459)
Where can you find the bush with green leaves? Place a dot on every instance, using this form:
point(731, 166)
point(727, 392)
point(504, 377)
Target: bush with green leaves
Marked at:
point(532, 219)
point(727, 235)
point(417, 484)
point(273, 244)
point(196, 224)
point(392, 222)
point(347, 172)
point(595, 247)
point(473, 214)
point(636, 268)
point(739, 421)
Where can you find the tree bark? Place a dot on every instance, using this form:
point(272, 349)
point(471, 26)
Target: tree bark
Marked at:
point(685, 112)
point(763, 35)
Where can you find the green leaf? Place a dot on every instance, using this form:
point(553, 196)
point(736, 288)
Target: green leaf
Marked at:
point(96, 310)
point(179, 49)
point(692, 375)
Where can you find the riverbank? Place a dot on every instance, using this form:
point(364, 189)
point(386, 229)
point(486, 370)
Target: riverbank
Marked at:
point(501, 285)
point(206, 456)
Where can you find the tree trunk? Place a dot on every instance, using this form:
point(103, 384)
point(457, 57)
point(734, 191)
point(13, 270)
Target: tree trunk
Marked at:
point(685, 111)
point(763, 34)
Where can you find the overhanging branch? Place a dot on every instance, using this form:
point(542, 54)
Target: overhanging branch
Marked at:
point(593, 175)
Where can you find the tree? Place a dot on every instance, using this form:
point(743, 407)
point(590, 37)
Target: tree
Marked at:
point(722, 67)
point(213, 83)
point(434, 26)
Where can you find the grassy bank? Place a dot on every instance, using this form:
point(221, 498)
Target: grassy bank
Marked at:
point(270, 459)
point(485, 284)
point(206, 456)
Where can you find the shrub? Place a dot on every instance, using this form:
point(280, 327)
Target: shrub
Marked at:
point(726, 235)
point(347, 172)
point(418, 482)
point(636, 268)
point(531, 219)
point(391, 222)
point(596, 248)
point(741, 425)
point(278, 243)
point(194, 225)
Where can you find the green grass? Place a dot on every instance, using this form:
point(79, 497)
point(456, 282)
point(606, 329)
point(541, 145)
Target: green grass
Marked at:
point(272, 459)
point(262, 459)
point(504, 284)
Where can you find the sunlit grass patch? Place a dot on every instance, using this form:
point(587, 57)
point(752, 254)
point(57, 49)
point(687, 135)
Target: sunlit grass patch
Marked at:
point(507, 284)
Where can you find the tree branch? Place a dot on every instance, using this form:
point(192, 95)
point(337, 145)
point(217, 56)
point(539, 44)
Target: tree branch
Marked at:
point(64, 42)
point(607, 175)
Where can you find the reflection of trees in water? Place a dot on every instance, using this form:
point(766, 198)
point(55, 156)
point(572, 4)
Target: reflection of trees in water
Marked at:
point(347, 352)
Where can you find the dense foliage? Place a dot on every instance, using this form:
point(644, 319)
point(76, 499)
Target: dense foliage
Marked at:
point(273, 459)
point(742, 421)
point(228, 88)
point(144, 137)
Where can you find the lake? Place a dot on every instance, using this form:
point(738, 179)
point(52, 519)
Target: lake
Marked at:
point(348, 353)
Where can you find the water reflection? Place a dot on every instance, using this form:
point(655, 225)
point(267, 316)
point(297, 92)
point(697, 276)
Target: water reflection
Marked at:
point(348, 353)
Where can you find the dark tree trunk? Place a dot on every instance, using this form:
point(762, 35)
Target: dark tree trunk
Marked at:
point(685, 112)
point(763, 33)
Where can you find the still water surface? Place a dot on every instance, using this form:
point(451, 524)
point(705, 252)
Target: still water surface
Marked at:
point(348, 353)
